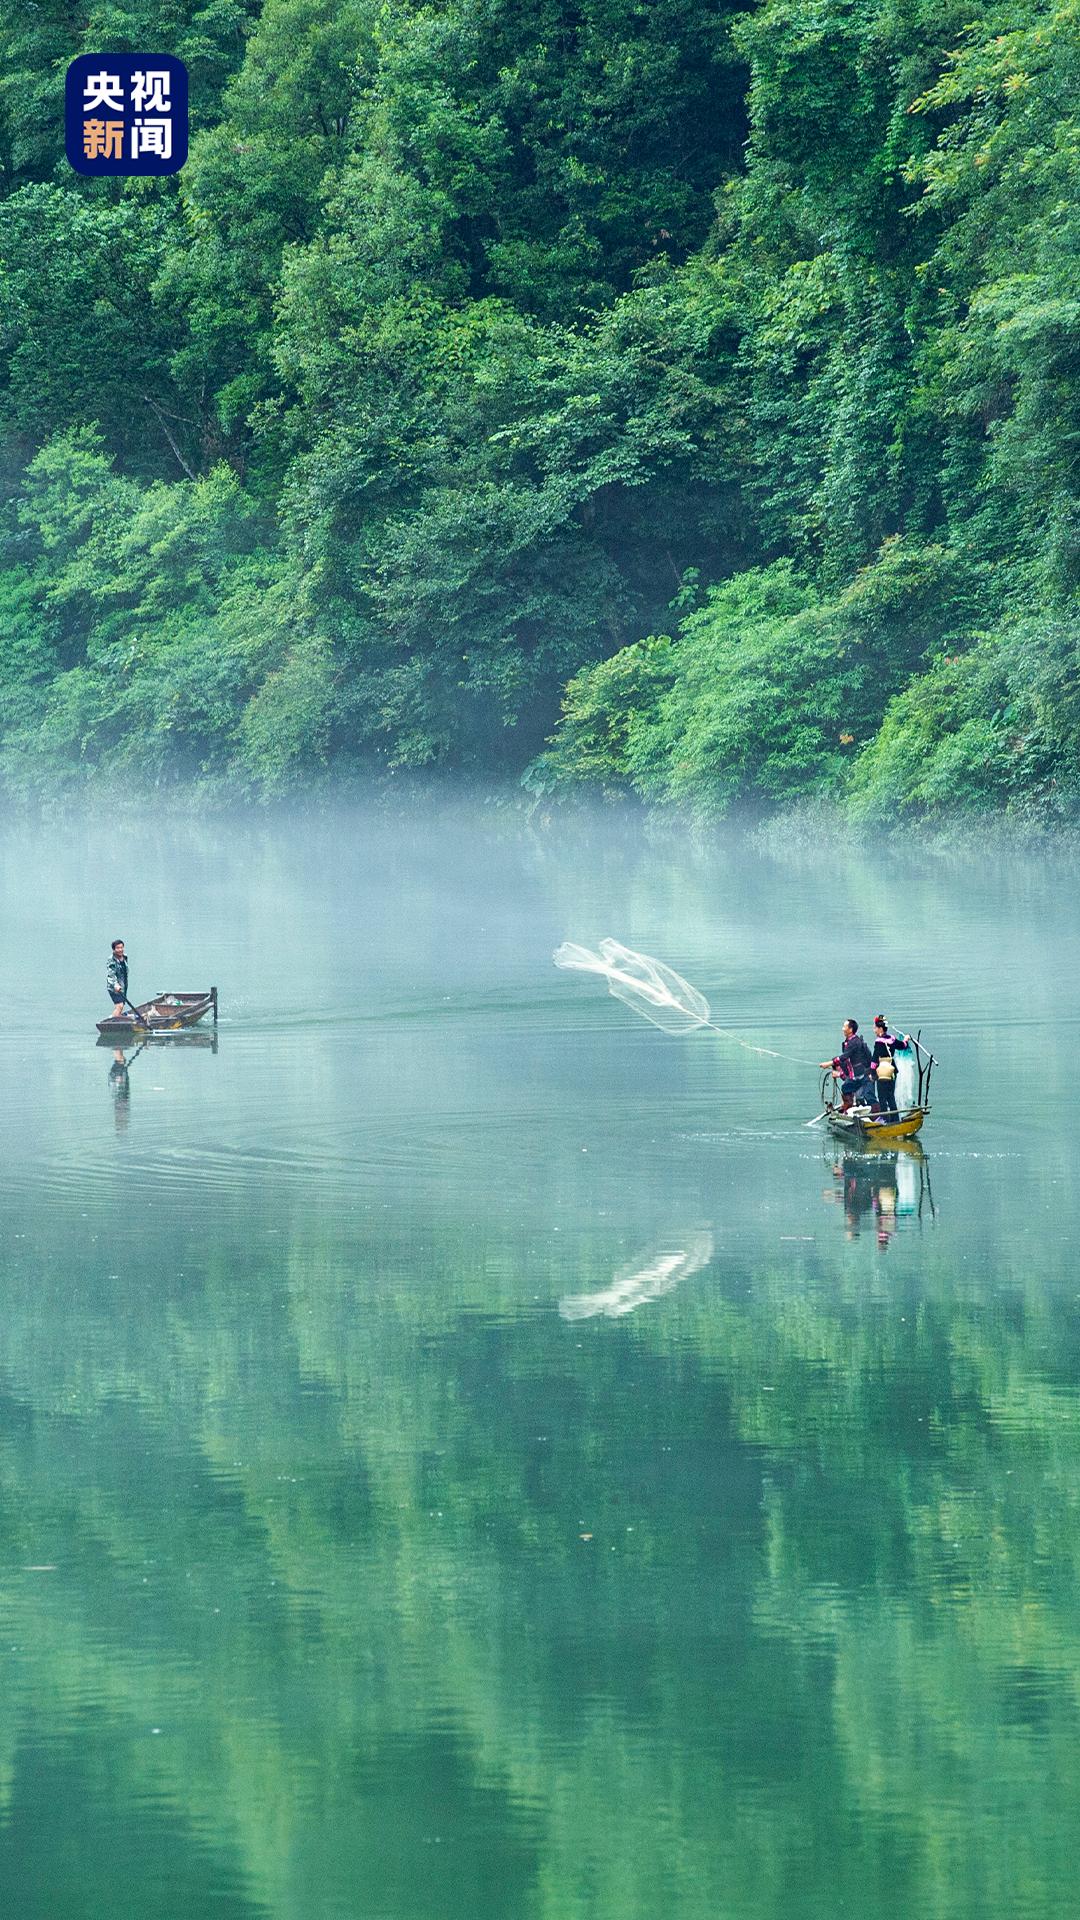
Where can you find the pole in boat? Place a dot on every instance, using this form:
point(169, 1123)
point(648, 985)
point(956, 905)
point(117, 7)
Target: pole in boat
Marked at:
point(213, 997)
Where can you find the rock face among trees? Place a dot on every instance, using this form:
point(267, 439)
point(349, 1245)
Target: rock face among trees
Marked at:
point(705, 375)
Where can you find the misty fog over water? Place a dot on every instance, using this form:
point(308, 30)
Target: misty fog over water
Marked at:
point(465, 1451)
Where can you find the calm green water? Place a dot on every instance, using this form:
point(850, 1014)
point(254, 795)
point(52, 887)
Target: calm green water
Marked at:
point(463, 1453)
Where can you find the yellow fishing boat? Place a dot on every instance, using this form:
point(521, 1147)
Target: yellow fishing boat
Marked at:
point(866, 1126)
point(870, 1129)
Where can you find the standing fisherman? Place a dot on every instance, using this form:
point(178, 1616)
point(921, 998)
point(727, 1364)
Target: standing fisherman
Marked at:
point(852, 1063)
point(116, 977)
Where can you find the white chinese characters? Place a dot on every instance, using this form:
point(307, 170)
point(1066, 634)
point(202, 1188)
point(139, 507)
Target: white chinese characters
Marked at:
point(152, 136)
point(103, 90)
point(150, 92)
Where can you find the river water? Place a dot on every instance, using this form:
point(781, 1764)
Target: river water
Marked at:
point(466, 1453)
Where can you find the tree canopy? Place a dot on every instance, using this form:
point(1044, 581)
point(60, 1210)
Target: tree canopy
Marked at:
point(478, 342)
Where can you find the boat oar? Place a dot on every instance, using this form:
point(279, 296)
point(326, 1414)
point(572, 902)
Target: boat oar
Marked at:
point(140, 1018)
point(816, 1118)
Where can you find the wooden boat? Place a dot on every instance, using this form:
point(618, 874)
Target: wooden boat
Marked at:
point(164, 1014)
point(866, 1129)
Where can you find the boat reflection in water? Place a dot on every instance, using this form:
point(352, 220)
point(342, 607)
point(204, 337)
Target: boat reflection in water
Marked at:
point(124, 1058)
point(881, 1190)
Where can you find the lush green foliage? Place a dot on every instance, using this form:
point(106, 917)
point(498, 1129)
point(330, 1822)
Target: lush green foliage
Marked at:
point(770, 689)
point(479, 339)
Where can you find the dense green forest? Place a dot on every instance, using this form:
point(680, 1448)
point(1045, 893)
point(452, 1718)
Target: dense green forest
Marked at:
point(666, 398)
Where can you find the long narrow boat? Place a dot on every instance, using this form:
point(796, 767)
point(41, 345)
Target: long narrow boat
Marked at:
point(866, 1129)
point(164, 1014)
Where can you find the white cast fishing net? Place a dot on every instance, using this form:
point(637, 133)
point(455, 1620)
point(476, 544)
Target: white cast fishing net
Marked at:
point(646, 985)
point(656, 991)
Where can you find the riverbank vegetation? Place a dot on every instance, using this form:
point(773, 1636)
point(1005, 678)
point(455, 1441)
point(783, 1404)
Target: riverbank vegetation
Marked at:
point(677, 399)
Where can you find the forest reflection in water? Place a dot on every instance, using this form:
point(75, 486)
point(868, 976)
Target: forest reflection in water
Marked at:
point(463, 1451)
